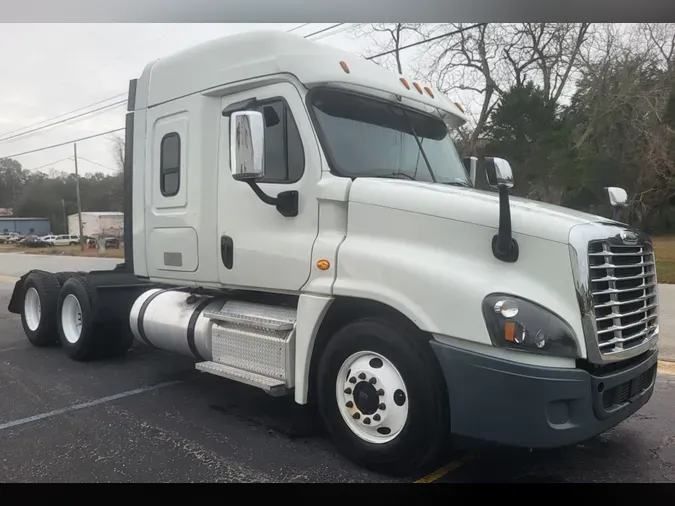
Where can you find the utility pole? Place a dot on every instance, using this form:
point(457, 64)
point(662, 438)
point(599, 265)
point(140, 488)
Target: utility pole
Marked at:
point(79, 202)
point(65, 216)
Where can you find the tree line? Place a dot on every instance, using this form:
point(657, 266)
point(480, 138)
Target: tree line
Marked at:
point(574, 107)
point(53, 194)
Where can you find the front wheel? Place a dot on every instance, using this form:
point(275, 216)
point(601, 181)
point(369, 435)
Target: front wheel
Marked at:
point(382, 396)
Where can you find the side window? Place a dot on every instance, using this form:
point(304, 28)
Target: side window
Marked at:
point(169, 165)
point(284, 156)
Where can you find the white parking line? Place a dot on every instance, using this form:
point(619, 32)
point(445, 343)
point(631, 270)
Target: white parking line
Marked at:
point(84, 405)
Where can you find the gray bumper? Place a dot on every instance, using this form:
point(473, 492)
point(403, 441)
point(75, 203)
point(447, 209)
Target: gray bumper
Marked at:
point(539, 407)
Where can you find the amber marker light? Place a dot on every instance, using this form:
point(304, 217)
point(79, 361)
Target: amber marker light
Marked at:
point(323, 265)
point(405, 82)
point(345, 67)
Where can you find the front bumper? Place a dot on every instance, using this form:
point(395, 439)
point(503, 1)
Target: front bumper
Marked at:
point(539, 407)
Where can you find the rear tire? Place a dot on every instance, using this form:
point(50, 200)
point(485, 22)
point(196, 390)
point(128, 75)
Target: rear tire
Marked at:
point(65, 276)
point(406, 424)
point(75, 320)
point(38, 316)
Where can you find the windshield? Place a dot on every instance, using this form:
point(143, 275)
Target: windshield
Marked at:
point(366, 137)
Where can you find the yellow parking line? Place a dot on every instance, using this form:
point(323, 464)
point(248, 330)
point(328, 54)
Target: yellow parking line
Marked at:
point(442, 471)
point(666, 368)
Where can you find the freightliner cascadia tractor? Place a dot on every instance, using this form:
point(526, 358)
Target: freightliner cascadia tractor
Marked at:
point(298, 219)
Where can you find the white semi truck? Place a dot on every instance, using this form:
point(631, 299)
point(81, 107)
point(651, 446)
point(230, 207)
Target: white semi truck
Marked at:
point(298, 219)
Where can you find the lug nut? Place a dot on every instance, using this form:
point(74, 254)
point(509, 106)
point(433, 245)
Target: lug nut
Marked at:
point(377, 418)
point(380, 392)
point(349, 404)
point(373, 381)
point(348, 391)
point(366, 420)
point(356, 416)
point(352, 380)
point(382, 406)
point(362, 376)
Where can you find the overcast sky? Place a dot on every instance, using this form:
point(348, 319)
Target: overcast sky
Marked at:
point(51, 69)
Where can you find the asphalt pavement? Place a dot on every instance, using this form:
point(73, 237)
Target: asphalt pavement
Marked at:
point(150, 417)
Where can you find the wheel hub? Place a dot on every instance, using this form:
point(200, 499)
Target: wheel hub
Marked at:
point(366, 398)
point(372, 397)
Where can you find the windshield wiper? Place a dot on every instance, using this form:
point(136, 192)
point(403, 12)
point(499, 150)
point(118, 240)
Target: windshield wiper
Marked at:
point(396, 175)
point(458, 183)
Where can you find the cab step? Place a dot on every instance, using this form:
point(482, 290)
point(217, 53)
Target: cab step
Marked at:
point(255, 315)
point(253, 344)
point(273, 387)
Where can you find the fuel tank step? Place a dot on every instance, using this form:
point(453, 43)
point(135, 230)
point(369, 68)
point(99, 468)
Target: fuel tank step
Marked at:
point(255, 315)
point(273, 387)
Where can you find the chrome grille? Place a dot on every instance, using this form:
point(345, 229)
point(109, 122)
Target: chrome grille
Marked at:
point(623, 286)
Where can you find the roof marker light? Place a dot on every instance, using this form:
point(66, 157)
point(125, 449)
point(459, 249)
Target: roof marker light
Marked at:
point(429, 92)
point(459, 106)
point(418, 87)
point(344, 66)
point(405, 83)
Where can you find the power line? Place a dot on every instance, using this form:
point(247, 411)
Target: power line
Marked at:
point(322, 30)
point(51, 163)
point(109, 106)
point(298, 27)
point(80, 157)
point(64, 114)
point(344, 28)
point(426, 41)
point(64, 143)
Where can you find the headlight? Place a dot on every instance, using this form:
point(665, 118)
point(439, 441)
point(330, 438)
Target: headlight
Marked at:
point(522, 325)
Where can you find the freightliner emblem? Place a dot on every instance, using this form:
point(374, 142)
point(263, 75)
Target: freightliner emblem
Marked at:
point(629, 237)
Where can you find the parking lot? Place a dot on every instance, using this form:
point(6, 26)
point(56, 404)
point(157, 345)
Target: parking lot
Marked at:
point(151, 417)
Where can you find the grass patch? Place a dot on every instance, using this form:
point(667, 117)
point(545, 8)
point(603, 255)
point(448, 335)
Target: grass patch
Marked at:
point(664, 249)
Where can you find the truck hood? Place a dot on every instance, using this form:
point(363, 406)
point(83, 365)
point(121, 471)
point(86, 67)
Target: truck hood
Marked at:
point(479, 207)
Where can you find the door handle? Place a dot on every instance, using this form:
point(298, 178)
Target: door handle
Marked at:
point(227, 251)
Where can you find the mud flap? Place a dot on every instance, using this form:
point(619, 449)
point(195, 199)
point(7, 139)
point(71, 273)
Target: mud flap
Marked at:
point(16, 301)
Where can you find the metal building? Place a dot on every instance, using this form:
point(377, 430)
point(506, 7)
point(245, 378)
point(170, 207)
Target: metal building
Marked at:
point(25, 226)
point(97, 223)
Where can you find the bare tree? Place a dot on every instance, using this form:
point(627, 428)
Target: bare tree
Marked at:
point(389, 37)
point(118, 151)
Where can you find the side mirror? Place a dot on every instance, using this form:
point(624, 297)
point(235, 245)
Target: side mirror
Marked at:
point(617, 196)
point(470, 164)
point(247, 145)
point(498, 173)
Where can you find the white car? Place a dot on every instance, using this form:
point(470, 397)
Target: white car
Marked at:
point(63, 240)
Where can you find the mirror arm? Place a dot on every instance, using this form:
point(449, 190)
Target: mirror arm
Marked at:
point(504, 246)
point(286, 202)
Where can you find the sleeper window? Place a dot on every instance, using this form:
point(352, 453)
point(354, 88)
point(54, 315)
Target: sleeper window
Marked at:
point(169, 165)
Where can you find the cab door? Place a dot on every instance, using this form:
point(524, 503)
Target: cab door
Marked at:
point(259, 247)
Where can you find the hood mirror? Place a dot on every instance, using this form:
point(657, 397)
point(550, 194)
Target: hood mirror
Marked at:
point(498, 173)
point(618, 199)
point(500, 176)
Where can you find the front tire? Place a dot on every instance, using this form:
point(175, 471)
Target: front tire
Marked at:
point(38, 317)
point(382, 396)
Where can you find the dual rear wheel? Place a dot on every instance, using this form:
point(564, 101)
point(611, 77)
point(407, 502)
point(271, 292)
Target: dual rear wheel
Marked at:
point(58, 310)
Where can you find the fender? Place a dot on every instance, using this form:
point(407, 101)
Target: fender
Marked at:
point(436, 271)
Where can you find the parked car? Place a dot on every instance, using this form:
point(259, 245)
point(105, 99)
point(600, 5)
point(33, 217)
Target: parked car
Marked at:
point(9, 237)
point(35, 242)
point(65, 240)
point(48, 238)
